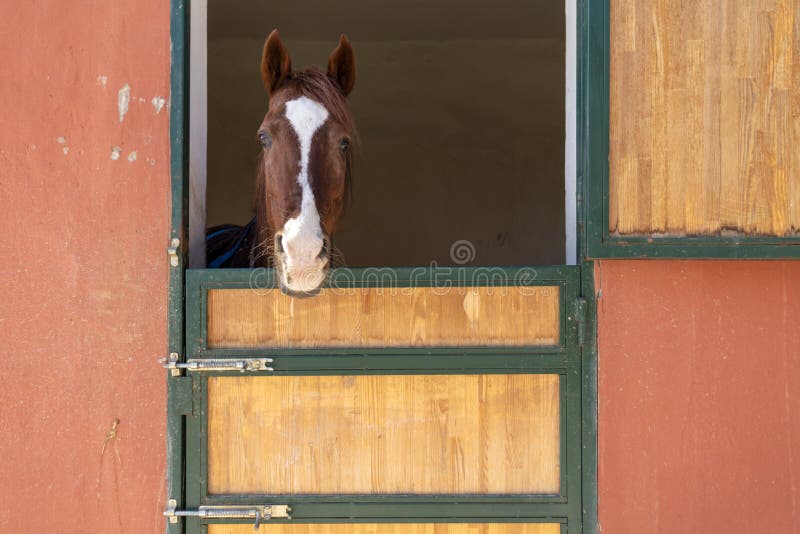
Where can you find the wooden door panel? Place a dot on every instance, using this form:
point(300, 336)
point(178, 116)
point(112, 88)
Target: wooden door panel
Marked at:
point(704, 117)
point(389, 528)
point(384, 434)
point(385, 317)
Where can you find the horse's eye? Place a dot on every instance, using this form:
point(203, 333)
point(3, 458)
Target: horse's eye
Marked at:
point(264, 139)
point(344, 144)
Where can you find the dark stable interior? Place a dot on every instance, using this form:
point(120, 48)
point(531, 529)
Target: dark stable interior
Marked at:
point(460, 110)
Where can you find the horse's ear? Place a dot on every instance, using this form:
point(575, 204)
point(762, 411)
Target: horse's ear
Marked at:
point(275, 63)
point(342, 65)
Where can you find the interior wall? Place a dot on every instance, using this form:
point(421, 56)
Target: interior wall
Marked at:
point(461, 119)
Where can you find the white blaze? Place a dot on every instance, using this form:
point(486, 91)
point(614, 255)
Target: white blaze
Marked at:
point(302, 235)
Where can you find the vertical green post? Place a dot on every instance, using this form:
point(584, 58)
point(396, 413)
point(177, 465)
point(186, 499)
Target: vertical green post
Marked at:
point(588, 353)
point(179, 159)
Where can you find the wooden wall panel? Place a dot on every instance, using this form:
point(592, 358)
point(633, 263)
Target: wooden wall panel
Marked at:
point(388, 528)
point(384, 434)
point(704, 117)
point(480, 316)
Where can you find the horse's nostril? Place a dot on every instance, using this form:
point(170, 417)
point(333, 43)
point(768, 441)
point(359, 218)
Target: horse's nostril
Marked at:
point(278, 242)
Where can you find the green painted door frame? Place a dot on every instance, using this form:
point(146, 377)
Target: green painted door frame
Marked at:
point(564, 359)
point(177, 252)
point(574, 360)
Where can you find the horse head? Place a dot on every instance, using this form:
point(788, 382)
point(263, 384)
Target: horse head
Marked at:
point(307, 139)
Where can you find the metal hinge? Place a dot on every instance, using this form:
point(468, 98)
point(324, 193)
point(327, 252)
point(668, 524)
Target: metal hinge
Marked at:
point(580, 311)
point(194, 364)
point(257, 512)
point(172, 251)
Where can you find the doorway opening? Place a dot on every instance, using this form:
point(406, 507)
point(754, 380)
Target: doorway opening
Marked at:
point(460, 110)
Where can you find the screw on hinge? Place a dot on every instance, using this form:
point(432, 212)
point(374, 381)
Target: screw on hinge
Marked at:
point(174, 260)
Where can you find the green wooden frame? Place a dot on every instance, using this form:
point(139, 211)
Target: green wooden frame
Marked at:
point(179, 172)
point(575, 510)
point(563, 359)
point(593, 147)
point(198, 281)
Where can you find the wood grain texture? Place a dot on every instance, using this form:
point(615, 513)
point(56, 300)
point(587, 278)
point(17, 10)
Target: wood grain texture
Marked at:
point(704, 117)
point(411, 317)
point(384, 434)
point(389, 528)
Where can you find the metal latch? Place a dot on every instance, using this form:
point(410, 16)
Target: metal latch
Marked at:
point(195, 364)
point(257, 512)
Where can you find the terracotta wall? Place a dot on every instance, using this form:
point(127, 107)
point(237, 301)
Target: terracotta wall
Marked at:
point(699, 361)
point(84, 232)
point(699, 396)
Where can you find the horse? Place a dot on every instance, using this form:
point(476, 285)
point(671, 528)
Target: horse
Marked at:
point(307, 140)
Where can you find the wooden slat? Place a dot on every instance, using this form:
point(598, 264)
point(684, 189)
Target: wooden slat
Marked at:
point(411, 317)
point(384, 434)
point(393, 528)
point(704, 117)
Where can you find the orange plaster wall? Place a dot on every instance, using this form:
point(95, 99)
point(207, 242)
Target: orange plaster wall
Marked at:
point(83, 303)
point(699, 396)
point(699, 393)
